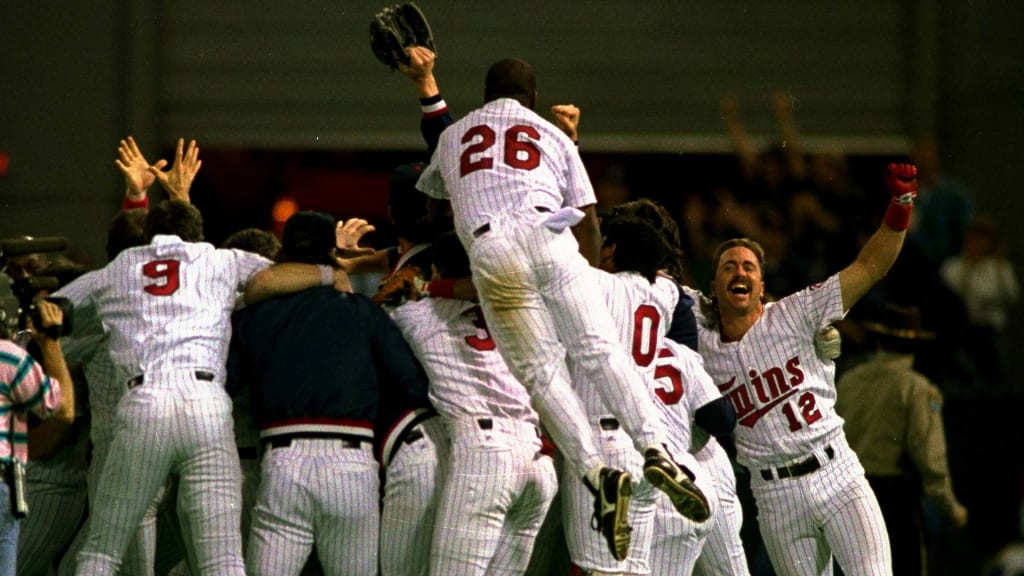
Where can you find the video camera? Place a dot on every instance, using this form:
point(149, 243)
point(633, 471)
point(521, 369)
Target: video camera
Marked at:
point(17, 296)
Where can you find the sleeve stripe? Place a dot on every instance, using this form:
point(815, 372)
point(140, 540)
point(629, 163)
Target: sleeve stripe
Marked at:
point(44, 388)
point(8, 358)
point(23, 371)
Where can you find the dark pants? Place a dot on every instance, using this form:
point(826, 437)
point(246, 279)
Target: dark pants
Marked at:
point(900, 500)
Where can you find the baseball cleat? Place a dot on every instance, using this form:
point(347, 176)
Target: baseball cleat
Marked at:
point(677, 483)
point(611, 510)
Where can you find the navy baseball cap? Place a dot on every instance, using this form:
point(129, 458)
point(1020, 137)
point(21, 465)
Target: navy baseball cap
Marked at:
point(309, 237)
point(403, 182)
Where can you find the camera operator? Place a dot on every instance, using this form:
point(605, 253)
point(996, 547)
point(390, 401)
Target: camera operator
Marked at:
point(27, 388)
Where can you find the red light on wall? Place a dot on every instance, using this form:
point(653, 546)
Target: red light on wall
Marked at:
point(5, 162)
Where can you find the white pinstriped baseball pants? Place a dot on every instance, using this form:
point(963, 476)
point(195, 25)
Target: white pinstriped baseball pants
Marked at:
point(540, 303)
point(588, 547)
point(174, 423)
point(496, 490)
point(723, 553)
point(316, 492)
point(805, 520)
point(409, 505)
point(678, 541)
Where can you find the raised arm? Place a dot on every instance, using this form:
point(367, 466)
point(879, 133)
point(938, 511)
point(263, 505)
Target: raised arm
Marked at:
point(177, 180)
point(880, 251)
point(436, 117)
point(137, 177)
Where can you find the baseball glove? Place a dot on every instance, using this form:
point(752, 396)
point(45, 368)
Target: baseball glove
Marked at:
point(396, 27)
point(401, 287)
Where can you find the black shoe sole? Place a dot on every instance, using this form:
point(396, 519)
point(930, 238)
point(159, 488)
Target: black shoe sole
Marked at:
point(621, 533)
point(686, 497)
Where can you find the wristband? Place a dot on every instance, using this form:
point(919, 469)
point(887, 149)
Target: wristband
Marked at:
point(443, 288)
point(897, 216)
point(326, 275)
point(128, 204)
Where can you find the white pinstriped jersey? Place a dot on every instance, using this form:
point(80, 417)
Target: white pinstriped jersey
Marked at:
point(642, 313)
point(167, 305)
point(502, 159)
point(682, 386)
point(783, 392)
point(468, 377)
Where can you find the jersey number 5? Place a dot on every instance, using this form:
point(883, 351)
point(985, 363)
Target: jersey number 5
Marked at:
point(519, 154)
point(166, 274)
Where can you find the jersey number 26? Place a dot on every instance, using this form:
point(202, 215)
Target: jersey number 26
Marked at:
point(519, 154)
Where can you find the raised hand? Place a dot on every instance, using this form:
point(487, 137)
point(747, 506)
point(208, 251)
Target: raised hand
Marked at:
point(567, 118)
point(420, 70)
point(347, 234)
point(177, 181)
point(901, 179)
point(133, 165)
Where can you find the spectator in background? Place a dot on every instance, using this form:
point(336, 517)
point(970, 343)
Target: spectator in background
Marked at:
point(893, 421)
point(983, 277)
point(945, 209)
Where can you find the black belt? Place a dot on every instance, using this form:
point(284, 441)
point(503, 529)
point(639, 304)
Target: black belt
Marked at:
point(799, 469)
point(139, 380)
point(285, 440)
point(487, 227)
point(413, 436)
point(608, 424)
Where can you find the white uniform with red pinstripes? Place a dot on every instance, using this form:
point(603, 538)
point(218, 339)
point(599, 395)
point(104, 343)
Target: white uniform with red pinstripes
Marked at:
point(88, 345)
point(167, 307)
point(496, 487)
point(641, 313)
point(681, 386)
point(498, 165)
point(784, 396)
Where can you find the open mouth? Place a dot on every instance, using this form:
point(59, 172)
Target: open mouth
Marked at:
point(740, 288)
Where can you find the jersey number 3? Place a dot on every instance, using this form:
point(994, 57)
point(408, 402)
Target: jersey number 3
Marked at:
point(519, 154)
point(165, 272)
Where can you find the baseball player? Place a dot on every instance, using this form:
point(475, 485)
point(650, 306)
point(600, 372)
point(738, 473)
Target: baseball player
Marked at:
point(495, 486)
point(517, 184)
point(813, 500)
point(682, 387)
point(316, 391)
point(166, 307)
point(641, 302)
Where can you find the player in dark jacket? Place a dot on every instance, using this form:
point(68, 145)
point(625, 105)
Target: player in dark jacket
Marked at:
point(319, 362)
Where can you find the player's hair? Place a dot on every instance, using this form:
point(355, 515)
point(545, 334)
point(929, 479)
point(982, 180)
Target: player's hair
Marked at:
point(407, 205)
point(175, 217)
point(658, 217)
point(638, 246)
point(450, 257)
point(511, 78)
point(747, 243)
point(255, 240)
point(308, 237)
point(128, 229)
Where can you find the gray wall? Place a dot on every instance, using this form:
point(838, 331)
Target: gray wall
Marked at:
point(276, 75)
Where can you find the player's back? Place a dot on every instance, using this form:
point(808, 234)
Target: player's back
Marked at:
point(642, 314)
point(468, 377)
point(167, 304)
point(504, 159)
